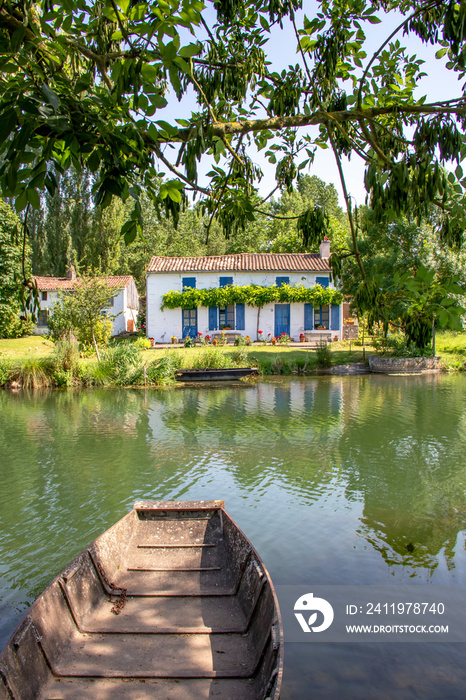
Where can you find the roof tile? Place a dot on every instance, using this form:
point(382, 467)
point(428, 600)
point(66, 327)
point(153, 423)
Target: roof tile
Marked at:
point(54, 283)
point(242, 262)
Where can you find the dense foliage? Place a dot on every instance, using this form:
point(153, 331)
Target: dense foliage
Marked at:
point(251, 295)
point(11, 325)
point(83, 82)
point(413, 280)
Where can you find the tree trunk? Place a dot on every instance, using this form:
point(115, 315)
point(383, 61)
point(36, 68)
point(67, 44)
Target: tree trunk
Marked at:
point(95, 346)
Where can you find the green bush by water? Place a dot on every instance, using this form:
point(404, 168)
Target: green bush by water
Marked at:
point(324, 355)
point(162, 372)
point(33, 373)
point(120, 365)
point(5, 372)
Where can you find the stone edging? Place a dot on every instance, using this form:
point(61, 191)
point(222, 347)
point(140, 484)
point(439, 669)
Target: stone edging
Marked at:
point(384, 365)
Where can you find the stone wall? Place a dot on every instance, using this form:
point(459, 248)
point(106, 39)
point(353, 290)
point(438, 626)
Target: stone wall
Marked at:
point(403, 364)
point(350, 332)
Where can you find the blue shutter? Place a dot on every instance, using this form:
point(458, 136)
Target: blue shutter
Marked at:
point(308, 317)
point(240, 322)
point(335, 317)
point(213, 318)
point(188, 282)
point(225, 281)
point(323, 281)
point(280, 281)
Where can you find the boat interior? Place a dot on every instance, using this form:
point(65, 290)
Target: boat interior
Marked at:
point(170, 602)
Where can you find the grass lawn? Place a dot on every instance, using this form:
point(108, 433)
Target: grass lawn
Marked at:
point(450, 346)
point(30, 346)
point(270, 360)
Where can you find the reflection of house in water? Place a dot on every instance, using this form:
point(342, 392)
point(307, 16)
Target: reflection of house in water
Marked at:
point(305, 411)
point(281, 429)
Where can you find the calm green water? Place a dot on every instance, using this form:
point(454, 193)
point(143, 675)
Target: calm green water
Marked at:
point(329, 477)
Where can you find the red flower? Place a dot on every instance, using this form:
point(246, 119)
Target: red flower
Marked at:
point(199, 333)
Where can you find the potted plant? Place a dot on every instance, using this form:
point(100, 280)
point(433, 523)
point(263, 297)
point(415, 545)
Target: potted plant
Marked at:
point(174, 339)
point(302, 337)
point(152, 342)
point(273, 340)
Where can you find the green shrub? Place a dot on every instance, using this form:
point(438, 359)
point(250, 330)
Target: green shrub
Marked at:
point(5, 372)
point(66, 353)
point(120, 365)
point(12, 326)
point(240, 357)
point(142, 342)
point(324, 355)
point(163, 371)
point(63, 378)
point(102, 332)
point(189, 342)
point(33, 373)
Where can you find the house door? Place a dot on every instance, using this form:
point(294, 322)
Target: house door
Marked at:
point(189, 322)
point(282, 319)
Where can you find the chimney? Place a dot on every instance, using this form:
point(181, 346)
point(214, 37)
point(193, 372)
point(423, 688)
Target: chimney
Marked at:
point(325, 248)
point(71, 273)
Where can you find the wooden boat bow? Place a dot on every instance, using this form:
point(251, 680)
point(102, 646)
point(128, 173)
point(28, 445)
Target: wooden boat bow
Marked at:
point(171, 602)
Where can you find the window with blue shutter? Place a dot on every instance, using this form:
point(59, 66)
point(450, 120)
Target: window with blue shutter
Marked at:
point(280, 281)
point(321, 317)
point(226, 316)
point(308, 317)
point(323, 281)
point(226, 281)
point(188, 282)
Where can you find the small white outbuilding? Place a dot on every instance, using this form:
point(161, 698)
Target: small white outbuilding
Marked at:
point(263, 269)
point(124, 305)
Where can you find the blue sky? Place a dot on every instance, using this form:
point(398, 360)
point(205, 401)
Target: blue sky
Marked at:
point(440, 83)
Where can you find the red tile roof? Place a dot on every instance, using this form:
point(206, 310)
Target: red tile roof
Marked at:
point(242, 262)
point(54, 283)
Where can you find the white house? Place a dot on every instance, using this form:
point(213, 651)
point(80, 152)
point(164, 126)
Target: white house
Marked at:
point(264, 269)
point(125, 303)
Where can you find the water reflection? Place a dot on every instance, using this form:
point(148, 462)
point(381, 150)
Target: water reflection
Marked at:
point(353, 479)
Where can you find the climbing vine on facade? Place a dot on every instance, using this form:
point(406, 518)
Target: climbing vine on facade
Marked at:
point(251, 295)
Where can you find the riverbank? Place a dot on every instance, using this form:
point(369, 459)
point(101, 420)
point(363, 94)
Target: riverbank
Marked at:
point(35, 362)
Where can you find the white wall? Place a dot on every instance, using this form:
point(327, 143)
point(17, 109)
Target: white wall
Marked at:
point(161, 325)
